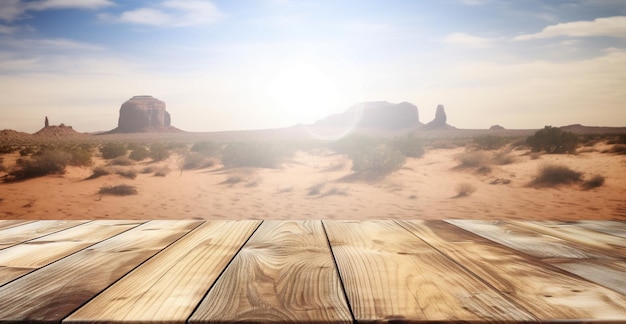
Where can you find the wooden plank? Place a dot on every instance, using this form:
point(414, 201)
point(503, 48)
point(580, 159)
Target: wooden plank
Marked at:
point(167, 288)
point(7, 223)
point(23, 258)
point(53, 292)
point(547, 292)
point(583, 238)
point(391, 275)
point(28, 231)
point(617, 228)
point(524, 240)
point(608, 273)
point(285, 273)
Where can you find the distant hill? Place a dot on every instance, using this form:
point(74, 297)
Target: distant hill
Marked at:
point(58, 131)
point(581, 129)
point(375, 114)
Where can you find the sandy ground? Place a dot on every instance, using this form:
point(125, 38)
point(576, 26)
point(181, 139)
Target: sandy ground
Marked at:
point(313, 185)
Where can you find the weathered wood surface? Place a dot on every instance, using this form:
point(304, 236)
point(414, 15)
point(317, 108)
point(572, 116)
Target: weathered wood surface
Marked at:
point(17, 234)
point(20, 259)
point(53, 292)
point(312, 271)
point(168, 287)
point(285, 273)
point(547, 292)
point(392, 275)
point(6, 223)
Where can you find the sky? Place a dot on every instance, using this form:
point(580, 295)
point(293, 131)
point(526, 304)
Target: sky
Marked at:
point(256, 64)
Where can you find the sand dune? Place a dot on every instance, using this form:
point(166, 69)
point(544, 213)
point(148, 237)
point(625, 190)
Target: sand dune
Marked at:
point(314, 184)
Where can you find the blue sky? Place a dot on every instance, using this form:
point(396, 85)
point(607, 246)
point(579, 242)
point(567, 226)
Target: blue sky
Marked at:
point(228, 65)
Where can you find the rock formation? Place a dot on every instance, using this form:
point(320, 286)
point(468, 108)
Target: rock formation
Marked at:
point(496, 127)
point(376, 114)
point(46, 123)
point(440, 120)
point(144, 114)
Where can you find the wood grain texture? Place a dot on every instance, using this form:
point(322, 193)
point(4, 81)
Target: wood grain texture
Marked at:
point(583, 238)
point(391, 275)
point(547, 292)
point(285, 273)
point(167, 288)
point(609, 273)
point(17, 234)
point(610, 227)
point(53, 292)
point(534, 243)
point(23, 258)
point(6, 223)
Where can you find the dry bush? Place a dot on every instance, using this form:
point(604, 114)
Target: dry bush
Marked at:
point(162, 171)
point(112, 150)
point(550, 175)
point(473, 159)
point(618, 149)
point(594, 182)
point(464, 189)
point(122, 161)
point(99, 172)
point(119, 190)
point(553, 140)
point(534, 155)
point(139, 153)
point(44, 163)
point(194, 160)
point(491, 142)
point(148, 169)
point(503, 158)
point(129, 173)
point(159, 152)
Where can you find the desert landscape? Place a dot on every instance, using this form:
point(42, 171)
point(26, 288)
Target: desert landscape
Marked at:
point(367, 174)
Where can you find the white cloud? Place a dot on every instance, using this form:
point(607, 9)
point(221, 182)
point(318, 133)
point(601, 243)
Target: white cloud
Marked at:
point(173, 14)
point(66, 4)
point(7, 29)
point(48, 45)
point(611, 26)
point(468, 40)
point(11, 10)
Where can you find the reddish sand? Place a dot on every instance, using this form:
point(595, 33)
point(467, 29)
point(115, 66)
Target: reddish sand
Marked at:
point(425, 188)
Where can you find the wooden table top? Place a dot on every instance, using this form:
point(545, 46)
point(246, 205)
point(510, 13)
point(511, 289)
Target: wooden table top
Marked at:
point(317, 271)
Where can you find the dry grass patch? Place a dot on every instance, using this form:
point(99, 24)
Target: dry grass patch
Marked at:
point(98, 172)
point(119, 190)
point(551, 175)
point(464, 189)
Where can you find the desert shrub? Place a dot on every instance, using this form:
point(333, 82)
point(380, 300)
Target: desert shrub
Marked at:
point(194, 160)
point(99, 172)
point(122, 161)
point(210, 149)
point(130, 173)
point(139, 153)
point(112, 150)
point(490, 142)
point(233, 179)
point(594, 182)
point(44, 163)
point(79, 156)
point(148, 169)
point(162, 171)
point(553, 140)
point(28, 150)
point(370, 156)
point(464, 189)
point(503, 157)
point(158, 152)
point(257, 154)
point(2, 167)
point(473, 159)
point(380, 160)
point(552, 175)
point(621, 139)
point(618, 149)
point(119, 190)
point(8, 148)
point(409, 145)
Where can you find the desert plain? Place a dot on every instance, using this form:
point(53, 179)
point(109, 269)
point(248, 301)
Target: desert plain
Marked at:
point(315, 181)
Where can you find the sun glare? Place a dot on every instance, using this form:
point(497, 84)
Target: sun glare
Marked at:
point(304, 92)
